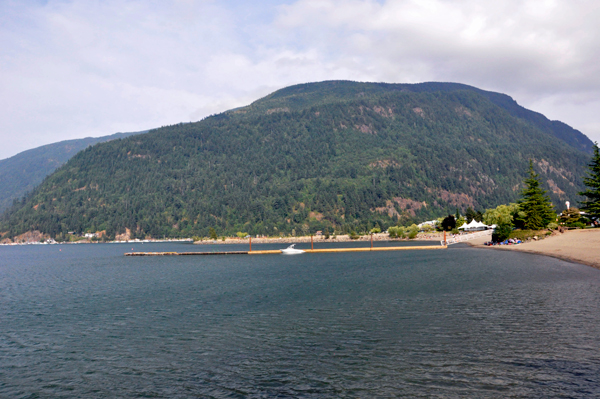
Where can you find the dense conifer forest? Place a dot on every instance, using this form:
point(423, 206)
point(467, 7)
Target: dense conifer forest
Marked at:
point(336, 156)
point(25, 171)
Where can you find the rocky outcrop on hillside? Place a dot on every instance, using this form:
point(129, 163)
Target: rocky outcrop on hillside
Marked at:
point(28, 238)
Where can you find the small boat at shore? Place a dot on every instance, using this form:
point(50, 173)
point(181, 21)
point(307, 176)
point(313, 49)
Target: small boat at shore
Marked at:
point(291, 250)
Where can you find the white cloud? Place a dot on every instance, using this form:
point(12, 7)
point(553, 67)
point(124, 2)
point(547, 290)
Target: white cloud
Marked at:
point(74, 69)
point(531, 50)
point(535, 42)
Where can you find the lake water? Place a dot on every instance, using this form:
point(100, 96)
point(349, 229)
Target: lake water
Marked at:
point(83, 321)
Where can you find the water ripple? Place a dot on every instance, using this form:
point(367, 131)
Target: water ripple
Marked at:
point(87, 322)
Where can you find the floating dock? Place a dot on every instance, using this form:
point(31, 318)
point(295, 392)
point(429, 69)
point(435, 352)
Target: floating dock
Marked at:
point(277, 251)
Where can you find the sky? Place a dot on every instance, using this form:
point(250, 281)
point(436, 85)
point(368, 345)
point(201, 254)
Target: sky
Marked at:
point(74, 69)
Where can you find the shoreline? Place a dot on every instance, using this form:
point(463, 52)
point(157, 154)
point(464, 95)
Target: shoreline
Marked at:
point(261, 240)
point(316, 239)
point(576, 246)
point(180, 240)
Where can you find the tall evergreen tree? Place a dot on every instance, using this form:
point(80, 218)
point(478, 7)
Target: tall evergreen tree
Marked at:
point(535, 206)
point(592, 204)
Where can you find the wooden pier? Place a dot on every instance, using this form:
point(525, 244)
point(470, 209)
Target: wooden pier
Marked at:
point(277, 251)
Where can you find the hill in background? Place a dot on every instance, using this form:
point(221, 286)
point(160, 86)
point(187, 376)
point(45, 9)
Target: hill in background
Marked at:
point(23, 172)
point(333, 155)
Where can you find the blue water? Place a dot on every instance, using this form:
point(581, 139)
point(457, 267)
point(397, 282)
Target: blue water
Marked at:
point(83, 321)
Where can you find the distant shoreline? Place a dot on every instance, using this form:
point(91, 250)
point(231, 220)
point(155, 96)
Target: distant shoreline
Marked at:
point(578, 246)
point(255, 240)
point(318, 239)
point(185, 240)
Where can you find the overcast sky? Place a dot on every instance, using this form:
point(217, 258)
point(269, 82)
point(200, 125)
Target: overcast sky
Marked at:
point(73, 69)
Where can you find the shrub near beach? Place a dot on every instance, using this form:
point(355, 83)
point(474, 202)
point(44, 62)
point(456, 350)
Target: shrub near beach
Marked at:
point(409, 232)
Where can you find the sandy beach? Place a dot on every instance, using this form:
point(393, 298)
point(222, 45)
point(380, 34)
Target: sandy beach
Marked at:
point(581, 246)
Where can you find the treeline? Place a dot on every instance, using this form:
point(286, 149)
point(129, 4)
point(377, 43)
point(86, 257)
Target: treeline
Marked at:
point(351, 165)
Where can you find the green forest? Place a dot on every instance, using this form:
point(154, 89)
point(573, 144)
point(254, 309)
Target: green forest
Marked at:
point(23, 172)
point(304, 159)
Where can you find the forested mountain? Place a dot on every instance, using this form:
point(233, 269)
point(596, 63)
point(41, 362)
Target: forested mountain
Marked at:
point(24, 171)
point(337, 155)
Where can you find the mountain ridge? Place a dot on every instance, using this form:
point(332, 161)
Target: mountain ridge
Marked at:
point(561, 130)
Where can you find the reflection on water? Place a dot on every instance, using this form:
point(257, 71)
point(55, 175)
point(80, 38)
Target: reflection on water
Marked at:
point(85, 321)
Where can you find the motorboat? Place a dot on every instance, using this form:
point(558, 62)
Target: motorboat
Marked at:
point(291, 250)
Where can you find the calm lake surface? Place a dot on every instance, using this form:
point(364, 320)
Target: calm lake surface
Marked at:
point(83, 321)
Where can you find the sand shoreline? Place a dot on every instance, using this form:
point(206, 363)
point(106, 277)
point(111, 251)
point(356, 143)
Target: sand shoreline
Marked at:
point(578, 246)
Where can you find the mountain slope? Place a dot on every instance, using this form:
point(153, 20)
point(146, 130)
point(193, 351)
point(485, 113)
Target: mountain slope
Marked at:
point(24, 171)
point(303, 162)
